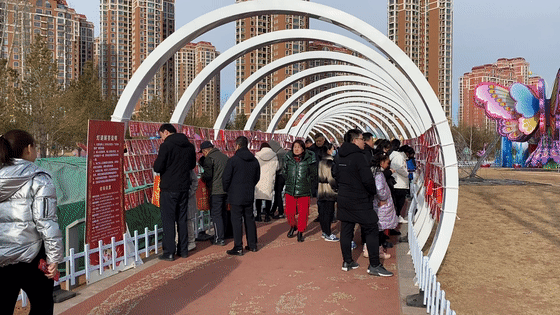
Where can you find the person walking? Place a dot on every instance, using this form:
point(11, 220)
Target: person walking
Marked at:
point(326, 196)
point(279, 181)
point(300, 171)
point(213, 164)
point(175, 159)
point(356, 190)
point(264, 191)
point(241, 175)
point(29, 228)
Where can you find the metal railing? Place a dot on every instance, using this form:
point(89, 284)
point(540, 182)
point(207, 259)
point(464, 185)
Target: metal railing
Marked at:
point(433, 296)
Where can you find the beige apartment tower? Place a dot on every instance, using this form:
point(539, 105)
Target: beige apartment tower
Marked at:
point(130, 30)
point(189, 61)
point(504, 72)
point(253, 61)
point(423, 29)
point(67, 34)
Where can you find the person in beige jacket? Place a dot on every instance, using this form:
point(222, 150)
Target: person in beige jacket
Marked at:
point(264, 191)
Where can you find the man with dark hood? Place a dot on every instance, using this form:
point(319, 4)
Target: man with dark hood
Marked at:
point(356, 189)
point(176, 158)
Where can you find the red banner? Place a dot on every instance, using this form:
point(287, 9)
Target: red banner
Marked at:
point(105, 191)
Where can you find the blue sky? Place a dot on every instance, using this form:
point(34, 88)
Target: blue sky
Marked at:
point(483, 31)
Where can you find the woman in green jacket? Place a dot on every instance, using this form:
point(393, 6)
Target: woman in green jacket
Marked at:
point(300, 172)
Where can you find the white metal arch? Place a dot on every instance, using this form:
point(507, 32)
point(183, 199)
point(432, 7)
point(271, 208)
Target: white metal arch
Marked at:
point(337, 79)
point(357, 116)
point(379, 77)
point(360, 66)
point(349, 108)
point(414, 83)
point(340, 125)
point(214, 67)
point(326, 131)
point(366, 98)
point(343, 98)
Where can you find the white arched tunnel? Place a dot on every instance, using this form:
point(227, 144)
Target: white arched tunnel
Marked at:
point(391, 94)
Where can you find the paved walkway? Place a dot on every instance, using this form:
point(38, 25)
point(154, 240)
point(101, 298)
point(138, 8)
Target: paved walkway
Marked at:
point(283, 277)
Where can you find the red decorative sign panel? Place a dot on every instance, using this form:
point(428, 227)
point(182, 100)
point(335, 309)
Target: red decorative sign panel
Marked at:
point(105, 191)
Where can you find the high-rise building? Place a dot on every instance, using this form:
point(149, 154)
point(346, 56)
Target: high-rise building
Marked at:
point(504, 72)
point(67, 34)
point(253, 61)
point(423, 29)
point(189, 61)
point(130, 31)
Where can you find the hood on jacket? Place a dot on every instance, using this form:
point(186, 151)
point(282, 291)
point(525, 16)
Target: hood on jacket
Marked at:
point(178, 139)
point(275, 146)
point(348, 148)
point(266, 154)
point(245, 154)
point(13, 177)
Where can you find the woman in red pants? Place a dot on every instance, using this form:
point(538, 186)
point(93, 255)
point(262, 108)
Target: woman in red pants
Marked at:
point(300, 172)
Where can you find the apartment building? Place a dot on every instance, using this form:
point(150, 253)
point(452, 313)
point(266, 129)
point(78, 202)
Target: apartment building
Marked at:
point(68, 35)
point(423, 29)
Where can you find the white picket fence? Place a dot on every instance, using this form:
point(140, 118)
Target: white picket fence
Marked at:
point(434, 296)
point(129, 253)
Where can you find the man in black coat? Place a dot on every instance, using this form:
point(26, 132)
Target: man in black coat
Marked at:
point(241, 175)
point(176, 158)
point(356, 189)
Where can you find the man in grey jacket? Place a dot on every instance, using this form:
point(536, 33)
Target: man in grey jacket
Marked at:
point(214, 162)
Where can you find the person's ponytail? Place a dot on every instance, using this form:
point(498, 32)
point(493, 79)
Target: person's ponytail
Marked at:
point(6, 153)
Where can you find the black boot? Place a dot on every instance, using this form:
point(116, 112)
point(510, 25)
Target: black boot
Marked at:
point(299, 237)
point(291, 232)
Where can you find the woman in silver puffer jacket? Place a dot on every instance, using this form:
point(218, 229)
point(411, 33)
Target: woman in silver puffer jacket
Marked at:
point(29, 229)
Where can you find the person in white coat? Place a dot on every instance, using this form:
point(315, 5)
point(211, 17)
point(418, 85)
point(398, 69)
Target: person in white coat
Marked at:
point(401, 187)
point(264, 191)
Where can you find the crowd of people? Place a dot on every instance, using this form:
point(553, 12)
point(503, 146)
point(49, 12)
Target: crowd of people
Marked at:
point(364, 181)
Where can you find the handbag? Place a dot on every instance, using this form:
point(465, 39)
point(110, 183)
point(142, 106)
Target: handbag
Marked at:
point(157, 190)
point(202, 196)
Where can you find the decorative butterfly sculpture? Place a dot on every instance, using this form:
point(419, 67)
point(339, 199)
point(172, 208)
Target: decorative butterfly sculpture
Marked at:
point(522, 112)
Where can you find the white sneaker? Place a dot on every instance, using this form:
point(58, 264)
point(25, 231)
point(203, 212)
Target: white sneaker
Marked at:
point(332, 238)
point(402, 220)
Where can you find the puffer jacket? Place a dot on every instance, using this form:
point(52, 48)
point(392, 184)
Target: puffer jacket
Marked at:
point(28, 214)
point(301, 175)
point(268, 162)
point(326, 180)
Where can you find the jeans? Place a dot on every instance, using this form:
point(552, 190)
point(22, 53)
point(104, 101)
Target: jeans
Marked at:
point(278, 200)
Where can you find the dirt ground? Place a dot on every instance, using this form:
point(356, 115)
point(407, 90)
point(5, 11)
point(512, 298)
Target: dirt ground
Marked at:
point(504, 253)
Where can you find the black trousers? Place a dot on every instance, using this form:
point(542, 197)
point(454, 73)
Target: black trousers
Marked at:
point(372, 240)
point(399, 198)
point(218, 213)
point(27, 277)
point(326, 215)
point(278, 201)
point(174, 213)
point(267, 206)
point(240, 213)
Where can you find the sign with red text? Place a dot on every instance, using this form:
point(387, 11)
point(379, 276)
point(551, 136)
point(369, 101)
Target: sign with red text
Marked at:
point(105, 190)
